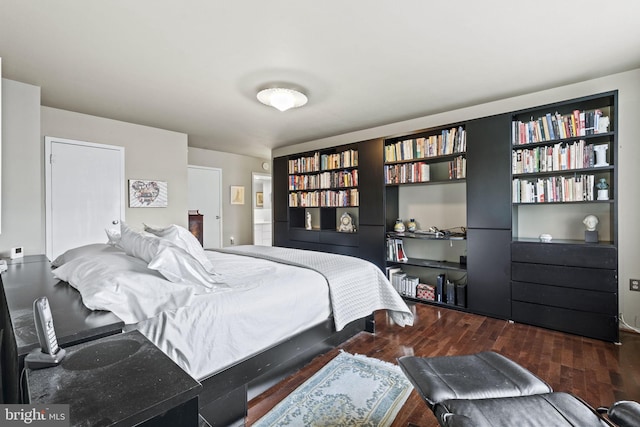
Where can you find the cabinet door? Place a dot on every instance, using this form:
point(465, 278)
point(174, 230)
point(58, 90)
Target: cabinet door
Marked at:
point(489, 172)
point(489, 272)
point(372, 244)
point(371, 182)
point(280, 188)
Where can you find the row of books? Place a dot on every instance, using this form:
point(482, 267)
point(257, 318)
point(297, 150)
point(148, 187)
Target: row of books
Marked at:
point(558, 126)
point(406, 173)
point(554, 189)
point(560, 156)
point(395, 250)
point(324, 180)
point(444, 291)
point(449, 141)
point(325, 198)
point(404, 284)
point(319, 162)
point(458, 168)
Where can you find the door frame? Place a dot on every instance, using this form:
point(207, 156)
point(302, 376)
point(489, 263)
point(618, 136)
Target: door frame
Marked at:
point(219, 170)
point(48, 143)
point(253, 203)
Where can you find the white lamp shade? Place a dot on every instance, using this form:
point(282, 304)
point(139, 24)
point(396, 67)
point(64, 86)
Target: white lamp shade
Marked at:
point(282, 98)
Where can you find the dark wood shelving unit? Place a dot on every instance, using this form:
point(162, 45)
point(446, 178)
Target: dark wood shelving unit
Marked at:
point(555, 292)
point(568, 284)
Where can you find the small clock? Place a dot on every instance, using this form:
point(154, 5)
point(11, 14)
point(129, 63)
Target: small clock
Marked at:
point(346, 224)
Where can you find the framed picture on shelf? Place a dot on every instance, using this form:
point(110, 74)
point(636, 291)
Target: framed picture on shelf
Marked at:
point(237, 195)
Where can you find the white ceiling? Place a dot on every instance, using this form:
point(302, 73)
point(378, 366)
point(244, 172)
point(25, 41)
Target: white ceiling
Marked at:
point(194, 66)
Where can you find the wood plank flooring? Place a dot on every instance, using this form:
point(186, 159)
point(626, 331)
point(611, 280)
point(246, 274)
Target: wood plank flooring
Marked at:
point(599, 372)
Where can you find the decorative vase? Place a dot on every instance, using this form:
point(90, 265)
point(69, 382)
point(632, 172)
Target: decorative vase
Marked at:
point(601, 155)
point(399, 226)
point(411, 225)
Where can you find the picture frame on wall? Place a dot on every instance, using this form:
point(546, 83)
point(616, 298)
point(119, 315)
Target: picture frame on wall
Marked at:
point(237, 195)
point(259, 199)
point(144, 193)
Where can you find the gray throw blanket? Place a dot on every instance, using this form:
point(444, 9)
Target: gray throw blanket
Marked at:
point(357, 287)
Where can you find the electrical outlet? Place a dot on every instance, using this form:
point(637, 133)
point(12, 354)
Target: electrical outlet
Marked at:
point(634, 284)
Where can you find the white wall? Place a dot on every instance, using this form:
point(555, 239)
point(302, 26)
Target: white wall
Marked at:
point(236, 170)
point(22, 169)
point(150, 153)
point(628, 85)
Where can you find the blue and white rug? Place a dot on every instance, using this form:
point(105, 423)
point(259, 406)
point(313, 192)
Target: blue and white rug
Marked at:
point(351, 390)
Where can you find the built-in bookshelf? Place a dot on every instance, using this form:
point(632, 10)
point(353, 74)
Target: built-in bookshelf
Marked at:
point(563, 164)
point(565, 153)
point(417, 260)
point(325, 200)
point(433, 156)
point(525, 173)
point(324, 180)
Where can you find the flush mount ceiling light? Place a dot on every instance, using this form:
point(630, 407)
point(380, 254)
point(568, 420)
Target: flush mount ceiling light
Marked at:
point(282, 98)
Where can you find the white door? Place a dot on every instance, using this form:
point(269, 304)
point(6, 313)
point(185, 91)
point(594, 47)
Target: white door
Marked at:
point(84, 193)
point(205, 189)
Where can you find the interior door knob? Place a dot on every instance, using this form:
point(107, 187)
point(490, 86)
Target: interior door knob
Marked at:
point(115, 222)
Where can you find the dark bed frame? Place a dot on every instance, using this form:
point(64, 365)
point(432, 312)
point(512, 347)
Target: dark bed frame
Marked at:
point(225, 394)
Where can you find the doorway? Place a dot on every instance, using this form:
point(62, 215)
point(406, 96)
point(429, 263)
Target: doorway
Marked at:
point(204, 195)
point(84, 193)
point(262, 221)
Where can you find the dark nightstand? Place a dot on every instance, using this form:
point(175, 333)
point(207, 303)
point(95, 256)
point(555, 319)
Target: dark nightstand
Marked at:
point(120, 380)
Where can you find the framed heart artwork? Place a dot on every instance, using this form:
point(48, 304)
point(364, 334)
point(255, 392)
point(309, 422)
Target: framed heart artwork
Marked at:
point(147, 194)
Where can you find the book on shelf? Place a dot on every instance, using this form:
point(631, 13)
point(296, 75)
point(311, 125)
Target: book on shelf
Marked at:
point(448, 141)
point(324, 180)
point(407, 173)
point(576, 188)
point(557, 157)
point(404, 284)
point(395, 250)
point(553, 126)
point(344, 159)
point(458, 168)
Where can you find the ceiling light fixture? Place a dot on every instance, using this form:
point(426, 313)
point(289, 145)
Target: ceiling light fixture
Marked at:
point(282, 98)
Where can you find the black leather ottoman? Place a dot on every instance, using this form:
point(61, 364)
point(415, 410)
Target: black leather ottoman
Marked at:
point(542, 410)
point(625, 413)
point(474, 376)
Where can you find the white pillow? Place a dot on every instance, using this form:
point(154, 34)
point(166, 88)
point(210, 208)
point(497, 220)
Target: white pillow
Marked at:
point(178, 266)
point(123, 285)
point(173, 262)
point(86, 250)
point(113, 236)
point(137, 244)
point(182, 238)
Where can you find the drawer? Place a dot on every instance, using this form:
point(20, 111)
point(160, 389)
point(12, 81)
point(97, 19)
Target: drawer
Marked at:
point(593, 325)
point(340, 239)
point(575, 299)
point(302, 235)
point(576, 255)
point(571, 277)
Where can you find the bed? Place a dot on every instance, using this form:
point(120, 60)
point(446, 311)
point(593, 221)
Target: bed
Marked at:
point(230, 318)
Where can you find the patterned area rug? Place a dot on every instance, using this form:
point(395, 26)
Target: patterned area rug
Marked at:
point(349, 391)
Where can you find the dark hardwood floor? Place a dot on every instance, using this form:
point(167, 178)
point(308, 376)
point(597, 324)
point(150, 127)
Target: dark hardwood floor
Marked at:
point(599, 372)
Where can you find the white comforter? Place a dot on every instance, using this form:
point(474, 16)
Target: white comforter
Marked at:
point(256, 304)
point(219, 329)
